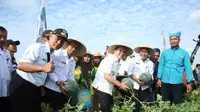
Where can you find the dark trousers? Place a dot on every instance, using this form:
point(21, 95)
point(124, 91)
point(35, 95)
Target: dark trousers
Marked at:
point(141, 95)
point(172, 92)
point(24, 96)
point(105, 100)
point(5, 105)
point(95, 101)
point(56, 99)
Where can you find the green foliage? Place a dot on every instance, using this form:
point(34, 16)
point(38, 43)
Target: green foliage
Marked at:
point(123, 106)
point(46, 107)
point(191, 104)
point(69, 108)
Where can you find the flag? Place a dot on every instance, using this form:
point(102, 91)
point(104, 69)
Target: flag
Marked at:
point(163, 38)
point(42, 23)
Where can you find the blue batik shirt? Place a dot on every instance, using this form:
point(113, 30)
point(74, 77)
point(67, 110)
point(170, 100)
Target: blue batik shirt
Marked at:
point(173, 63)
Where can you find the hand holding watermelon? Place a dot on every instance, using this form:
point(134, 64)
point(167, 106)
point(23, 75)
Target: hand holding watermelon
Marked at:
point(140, 82)
point(123, 86)
point(146, 78)
point(62, 84)
point(128, 83)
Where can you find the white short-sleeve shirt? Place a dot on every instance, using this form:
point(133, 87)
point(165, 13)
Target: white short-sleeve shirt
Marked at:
point(123, 68)
point(64, 70)
point(35, 54)
point(136, 67)
point(110, 65)
point(5, 72)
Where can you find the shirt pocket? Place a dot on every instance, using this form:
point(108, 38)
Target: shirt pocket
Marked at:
point(42, 60)
point(59, 68)
point(168, 58)
point(179, 60)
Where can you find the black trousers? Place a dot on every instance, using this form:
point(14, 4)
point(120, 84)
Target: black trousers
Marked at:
point(56, 99)
point(141, 95)
point(24, 96)
point(5, 105)
point(172, 92)
point(105, 100)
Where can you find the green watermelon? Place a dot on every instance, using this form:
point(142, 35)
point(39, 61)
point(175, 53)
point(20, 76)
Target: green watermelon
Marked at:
point(129, 82)
point(71, 86)
point(146, 77)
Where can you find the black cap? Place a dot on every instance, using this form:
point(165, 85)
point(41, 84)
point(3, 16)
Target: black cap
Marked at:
point(61, 33)
point(157, 50)
point(10, 41)
point(47, 33)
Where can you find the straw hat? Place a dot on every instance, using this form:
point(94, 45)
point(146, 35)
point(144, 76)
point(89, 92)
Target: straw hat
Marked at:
point(112, 48)
point(88, 53)
point(80, 49)
point(137, 49)
point(96, 54)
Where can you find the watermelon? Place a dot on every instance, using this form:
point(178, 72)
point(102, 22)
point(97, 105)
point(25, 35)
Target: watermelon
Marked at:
point(129, 82)
point(146, 77)
point(71, 86)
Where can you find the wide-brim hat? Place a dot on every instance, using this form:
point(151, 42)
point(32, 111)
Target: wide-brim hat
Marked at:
point(112, 48)
point(88, 53)
point(146, 46)
point(97, 54)
point(80, 49)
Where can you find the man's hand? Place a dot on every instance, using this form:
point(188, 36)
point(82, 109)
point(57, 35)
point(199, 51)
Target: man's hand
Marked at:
point(123, 86)
point(140, 82)
point(159, 83)
point(189, 88)
point(61, 84)
point(196, 83)
point(49, 67)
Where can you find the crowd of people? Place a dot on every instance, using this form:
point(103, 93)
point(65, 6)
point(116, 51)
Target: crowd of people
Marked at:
point(45, 67)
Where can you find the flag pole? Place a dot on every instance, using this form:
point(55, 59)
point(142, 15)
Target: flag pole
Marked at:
point(41, 24)
point(163, 37)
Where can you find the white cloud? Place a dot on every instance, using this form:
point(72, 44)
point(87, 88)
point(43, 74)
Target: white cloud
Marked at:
point(101, 22)
point(194, 16)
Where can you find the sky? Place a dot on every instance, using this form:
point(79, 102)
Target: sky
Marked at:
point(98, 23)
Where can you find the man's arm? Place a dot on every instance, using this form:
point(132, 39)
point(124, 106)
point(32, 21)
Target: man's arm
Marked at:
point(188, 68)
point(110, 79)
point(161, 65)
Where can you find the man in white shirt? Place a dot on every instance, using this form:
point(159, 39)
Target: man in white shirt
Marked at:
point(136, 67)
point(106, 75)
point(56, 94)
point(32, 72)
point(5, 72)
point(11, 46)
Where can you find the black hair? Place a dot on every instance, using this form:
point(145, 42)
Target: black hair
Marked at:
point(157, 50)
point(3, 29)
point(197, 65)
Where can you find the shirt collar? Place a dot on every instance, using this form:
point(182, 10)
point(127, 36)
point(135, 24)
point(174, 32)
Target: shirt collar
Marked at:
point(4, 49)
point(65, 54)
point(115, 58)
point(175, 48)
point(46, 44)
point(139, 58)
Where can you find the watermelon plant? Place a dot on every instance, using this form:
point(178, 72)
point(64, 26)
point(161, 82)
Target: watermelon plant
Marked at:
point(191, 104)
